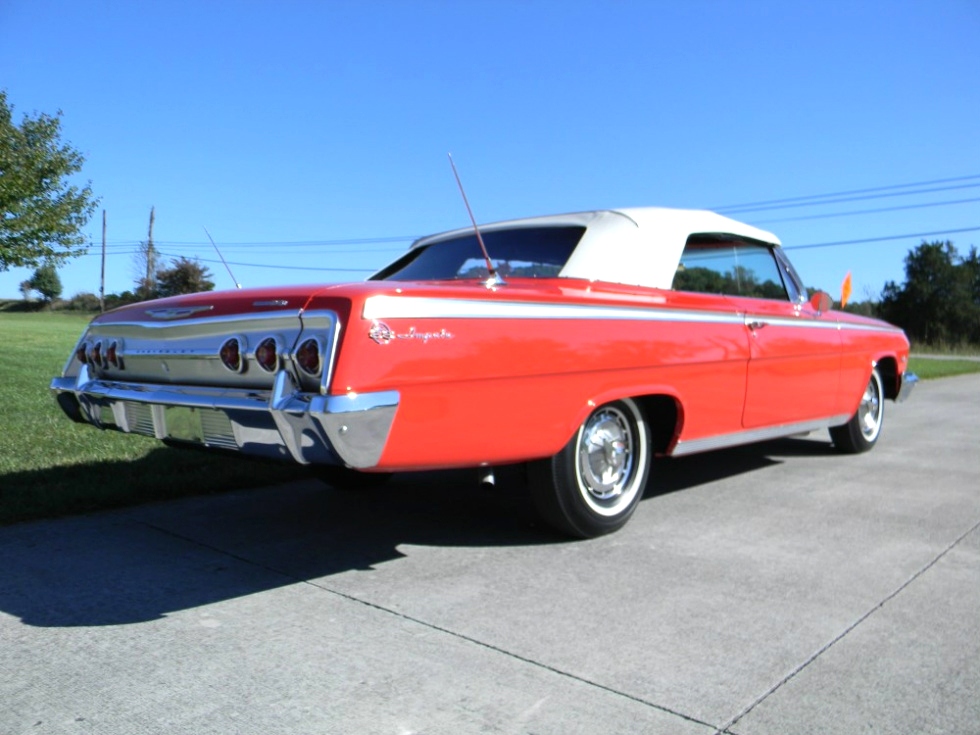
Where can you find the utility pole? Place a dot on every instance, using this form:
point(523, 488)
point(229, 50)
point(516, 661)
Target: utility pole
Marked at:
point(102, 283)
point(151, 256)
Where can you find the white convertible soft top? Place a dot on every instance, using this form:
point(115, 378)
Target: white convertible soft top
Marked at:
point(636, 246)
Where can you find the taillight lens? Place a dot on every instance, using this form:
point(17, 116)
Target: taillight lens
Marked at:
point(100, 354)
point(308, 357)
point(231, 355)
point(267, 355)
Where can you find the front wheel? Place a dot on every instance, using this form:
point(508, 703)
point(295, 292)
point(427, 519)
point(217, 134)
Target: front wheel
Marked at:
point(862, 431)
point(593, 485)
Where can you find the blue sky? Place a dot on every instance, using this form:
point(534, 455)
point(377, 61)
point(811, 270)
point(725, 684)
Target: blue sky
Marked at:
point(309, 136)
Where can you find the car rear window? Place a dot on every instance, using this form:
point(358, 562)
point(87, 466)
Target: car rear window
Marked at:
point(530, 252)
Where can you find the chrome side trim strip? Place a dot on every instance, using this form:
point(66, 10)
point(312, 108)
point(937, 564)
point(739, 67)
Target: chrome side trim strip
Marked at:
point(411, 307)
point(422, 307)
point(871, 328)
point(778, 321)
point(755, 435)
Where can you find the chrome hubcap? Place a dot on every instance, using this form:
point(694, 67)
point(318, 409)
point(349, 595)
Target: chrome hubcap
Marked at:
point(605, 454)
point(869, 412)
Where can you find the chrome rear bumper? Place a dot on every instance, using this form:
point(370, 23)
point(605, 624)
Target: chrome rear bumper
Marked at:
point(283, 423)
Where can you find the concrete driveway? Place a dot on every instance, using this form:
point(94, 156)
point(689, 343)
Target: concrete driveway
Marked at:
point(778, 589)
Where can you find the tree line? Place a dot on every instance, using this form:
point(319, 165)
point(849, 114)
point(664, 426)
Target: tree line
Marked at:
point(184, 275)
point(939, 302)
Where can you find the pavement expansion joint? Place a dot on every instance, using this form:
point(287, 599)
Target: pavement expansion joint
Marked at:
point(726, 729)
point(434, 627)
point(513, 655)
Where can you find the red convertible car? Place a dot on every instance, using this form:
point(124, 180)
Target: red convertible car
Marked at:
point(583, 344)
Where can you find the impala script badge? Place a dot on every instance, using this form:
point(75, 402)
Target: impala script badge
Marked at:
point(383, 334)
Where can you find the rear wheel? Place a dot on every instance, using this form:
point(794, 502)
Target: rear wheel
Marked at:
point(862, 431)
point(593, 485)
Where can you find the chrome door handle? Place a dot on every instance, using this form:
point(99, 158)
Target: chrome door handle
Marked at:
point(756, 325)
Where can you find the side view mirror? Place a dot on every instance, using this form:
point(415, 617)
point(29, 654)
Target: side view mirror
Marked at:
point(821, 301)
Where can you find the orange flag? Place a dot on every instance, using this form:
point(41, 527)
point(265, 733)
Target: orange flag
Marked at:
point(845, 290)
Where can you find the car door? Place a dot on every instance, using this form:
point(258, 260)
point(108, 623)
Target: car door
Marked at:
point(794, 351)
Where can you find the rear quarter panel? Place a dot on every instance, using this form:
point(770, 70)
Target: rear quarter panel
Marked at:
point(493, 390)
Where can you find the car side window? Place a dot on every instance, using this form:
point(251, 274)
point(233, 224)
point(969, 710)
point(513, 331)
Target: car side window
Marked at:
point(731, 267)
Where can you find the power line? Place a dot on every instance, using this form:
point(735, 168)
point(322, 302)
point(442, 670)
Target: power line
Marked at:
point(847, 199)
point(269, 244)
point(811, 200)
point(807, 246)
point(810, 197)
point(788, 247)
point(282, 267)
point(881, 239)
point(304, 243)
point(791, 202)
point(867, 211)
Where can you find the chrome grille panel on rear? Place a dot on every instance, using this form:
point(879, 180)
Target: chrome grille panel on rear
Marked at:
point(211, 427)
point(217, 430)
point(139, 418)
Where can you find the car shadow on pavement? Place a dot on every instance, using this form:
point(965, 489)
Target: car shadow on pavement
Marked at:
point(680, 473)
point(143, 563)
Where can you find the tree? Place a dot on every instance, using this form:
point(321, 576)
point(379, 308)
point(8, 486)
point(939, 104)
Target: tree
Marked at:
point(183, 276)
point(939, 303)
point(970, 267)
point(46, 282)
point(41, 214)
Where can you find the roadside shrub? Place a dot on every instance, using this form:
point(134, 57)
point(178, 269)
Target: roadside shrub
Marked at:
point(112, 300)
point(83, 301)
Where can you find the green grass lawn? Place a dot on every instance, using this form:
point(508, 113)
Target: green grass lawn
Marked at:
point(50, 466)
point(927, 368)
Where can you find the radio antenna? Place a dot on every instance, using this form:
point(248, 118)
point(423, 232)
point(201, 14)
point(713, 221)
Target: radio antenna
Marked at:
point(494, 278)
point(235, 280)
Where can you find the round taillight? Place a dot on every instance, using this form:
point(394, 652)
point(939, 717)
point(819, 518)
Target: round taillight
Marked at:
point(112, 355)
point(267, 354)
point(231, 355)
point(95, 355)
point(308, 357)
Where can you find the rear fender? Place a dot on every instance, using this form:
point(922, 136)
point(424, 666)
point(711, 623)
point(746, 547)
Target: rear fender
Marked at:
point(661, 405)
